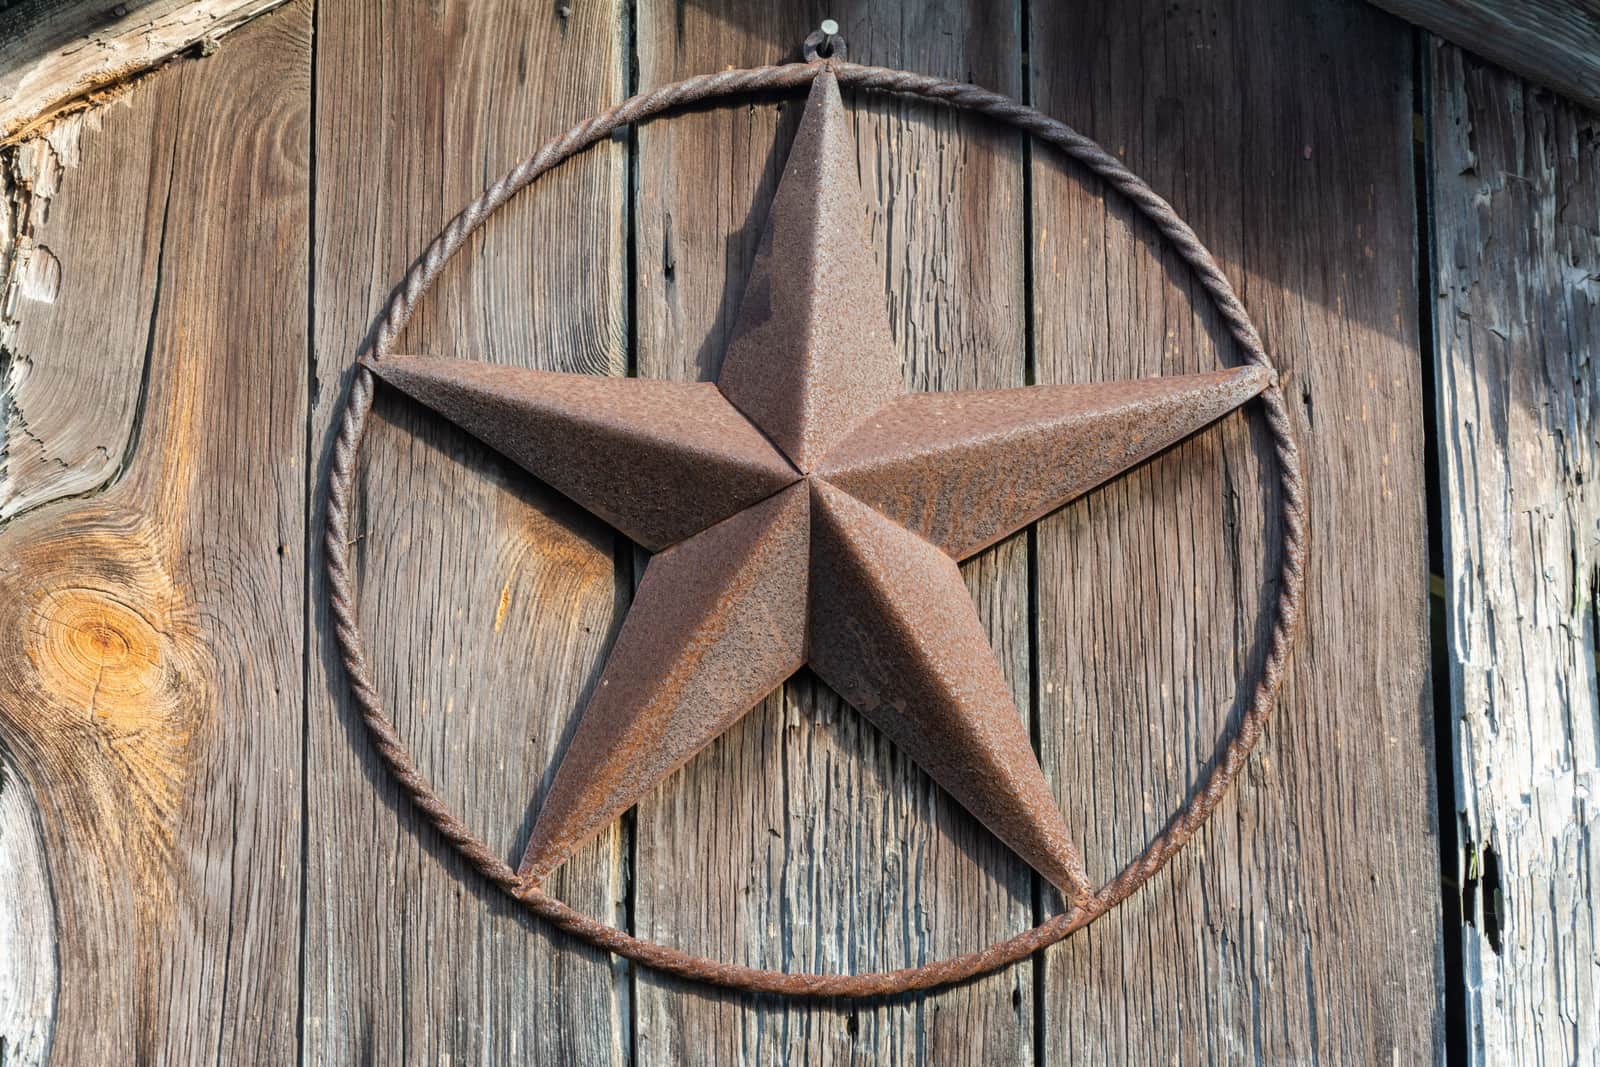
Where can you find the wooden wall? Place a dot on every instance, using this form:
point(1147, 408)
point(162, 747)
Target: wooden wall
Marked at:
point(199, 853)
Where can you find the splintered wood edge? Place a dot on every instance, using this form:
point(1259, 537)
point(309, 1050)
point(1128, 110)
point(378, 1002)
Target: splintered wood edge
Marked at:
point(1514, 370)
point(1553, 42)
point(73, 55)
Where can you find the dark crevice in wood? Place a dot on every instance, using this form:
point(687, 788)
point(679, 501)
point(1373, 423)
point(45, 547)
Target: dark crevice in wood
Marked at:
point(1594, 623)
point(1450, 855)
point(308, 555)
point(626, 553)
point(1036, 964)
point(1483, 897)
point(136, 427)
point(1494, 899)
point(1030, 376)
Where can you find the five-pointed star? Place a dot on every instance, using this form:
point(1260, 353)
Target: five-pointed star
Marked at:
point(805, 510)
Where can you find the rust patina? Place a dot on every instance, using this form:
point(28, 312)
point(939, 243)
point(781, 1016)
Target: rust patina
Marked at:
point(805, 510)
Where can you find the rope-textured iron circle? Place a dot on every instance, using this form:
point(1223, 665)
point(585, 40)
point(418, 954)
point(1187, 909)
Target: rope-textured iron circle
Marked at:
point(1179, 828)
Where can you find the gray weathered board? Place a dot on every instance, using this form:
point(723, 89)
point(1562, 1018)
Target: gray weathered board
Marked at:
point(1515, 189)
point(1554, 42)
point(200, 857)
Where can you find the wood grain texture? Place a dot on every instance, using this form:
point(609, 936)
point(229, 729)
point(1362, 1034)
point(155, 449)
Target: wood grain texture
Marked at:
point(95, 255)
point(149, 617)
point(1515, 181)
point(1302, 925)
point(58, 56)
point(104, 287)
point(486, 599)
point(802, 839)
point(1554, 42)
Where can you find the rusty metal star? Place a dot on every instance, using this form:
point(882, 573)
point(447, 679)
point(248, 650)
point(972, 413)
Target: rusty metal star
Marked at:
point(805, 510)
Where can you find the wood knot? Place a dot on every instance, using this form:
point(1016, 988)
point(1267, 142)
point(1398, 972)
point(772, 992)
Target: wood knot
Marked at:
point(111, 691)
point(98, 653)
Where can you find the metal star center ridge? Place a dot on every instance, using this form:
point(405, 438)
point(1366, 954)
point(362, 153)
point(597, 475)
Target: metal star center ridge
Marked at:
point(805, 510)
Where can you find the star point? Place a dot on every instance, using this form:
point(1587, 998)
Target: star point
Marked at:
point(657, 460)
point(811, 352)
point(718, 622)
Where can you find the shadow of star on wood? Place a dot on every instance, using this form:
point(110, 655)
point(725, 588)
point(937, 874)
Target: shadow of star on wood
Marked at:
point(805, 510)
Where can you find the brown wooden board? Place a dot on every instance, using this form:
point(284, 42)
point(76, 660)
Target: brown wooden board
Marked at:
point(1515, 191)
point(1302, 924)
point(802, 839)
point(486, 599)
point(151, 687)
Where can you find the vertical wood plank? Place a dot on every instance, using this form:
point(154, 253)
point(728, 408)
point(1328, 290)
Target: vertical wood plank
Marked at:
point(152, 692)
point(1515, 183)
point(801, 839)
point(79, 289)
point(1302, 925)
point(487, 600)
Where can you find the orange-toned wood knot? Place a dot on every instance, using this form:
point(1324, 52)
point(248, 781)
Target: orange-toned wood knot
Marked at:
point(108, 701)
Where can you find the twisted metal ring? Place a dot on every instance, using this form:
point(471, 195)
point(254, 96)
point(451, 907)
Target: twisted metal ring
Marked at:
point(1183, 823)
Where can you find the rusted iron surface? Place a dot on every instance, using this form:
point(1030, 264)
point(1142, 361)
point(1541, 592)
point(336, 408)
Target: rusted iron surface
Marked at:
point(718, 623)
point(928, 678)
point(894, 631)
point(658, 460)
point(967, 469)
point(811, 353)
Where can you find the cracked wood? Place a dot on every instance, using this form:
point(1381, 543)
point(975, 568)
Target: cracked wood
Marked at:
point(1515, 177)
point(144, 615)
point(62, 56)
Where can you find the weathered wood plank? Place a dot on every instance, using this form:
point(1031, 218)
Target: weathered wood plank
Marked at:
point(1303, 924)
point(27, 929)
point(1515, 183)
point(151, 692)
point(487, 599)
point(1554, 42)
point(57, 56)
point(802, 839)
point(51, 450)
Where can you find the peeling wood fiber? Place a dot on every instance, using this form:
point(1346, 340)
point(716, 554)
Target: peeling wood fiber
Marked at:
point(1515, 176)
